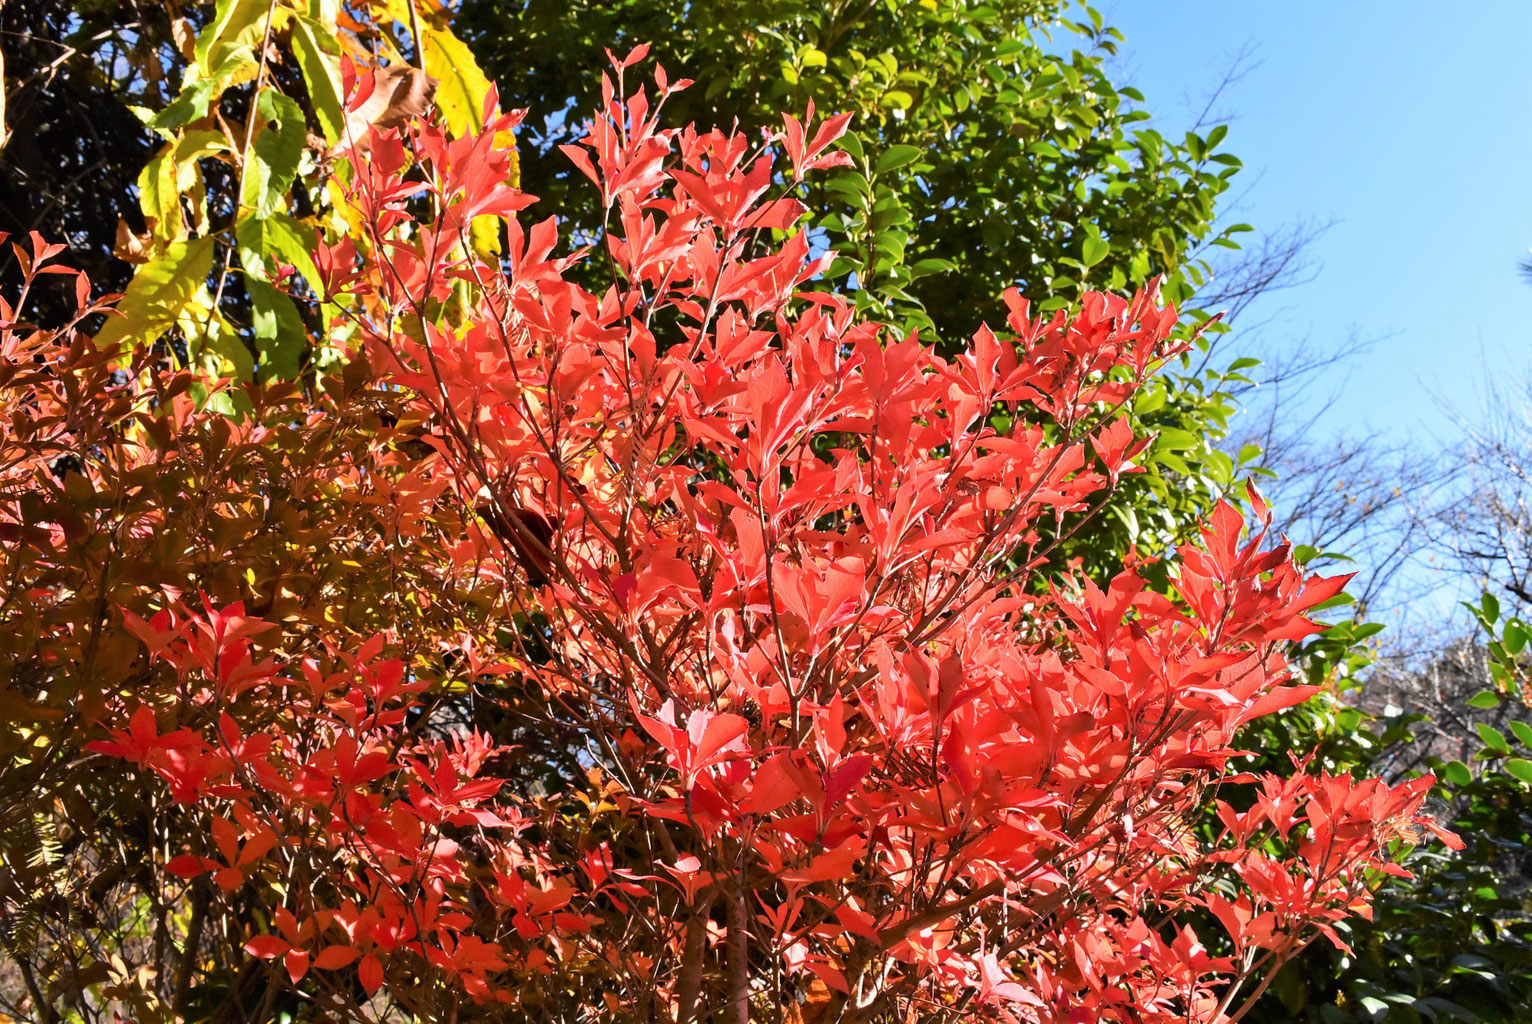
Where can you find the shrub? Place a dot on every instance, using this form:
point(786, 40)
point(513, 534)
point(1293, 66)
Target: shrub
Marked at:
point(674, 650)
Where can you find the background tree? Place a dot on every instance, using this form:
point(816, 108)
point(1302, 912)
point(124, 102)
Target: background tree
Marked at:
point(991, 153)
point(1438, 691)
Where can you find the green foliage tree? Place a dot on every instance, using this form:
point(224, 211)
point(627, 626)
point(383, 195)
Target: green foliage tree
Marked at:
point(993, 149)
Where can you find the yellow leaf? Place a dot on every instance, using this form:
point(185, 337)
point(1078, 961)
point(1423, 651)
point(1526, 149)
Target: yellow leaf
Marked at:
point(460, 94)
point(158, 196)
point(485, 232)
point(234, 22)
point(319, 59)
point(159, 292)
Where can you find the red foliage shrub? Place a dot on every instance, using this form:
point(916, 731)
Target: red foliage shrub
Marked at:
point(765, 581)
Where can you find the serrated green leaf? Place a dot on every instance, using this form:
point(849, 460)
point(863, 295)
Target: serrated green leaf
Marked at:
point(194, 145)
point(279, 235)
point(461, 85)
point(280, 339)
point(1523, 733)
point(217, 350)
point(225, 56)
point(159, 197)
point(234, 22)
point(1484, 699)
point(273, 160)
point(189, 105)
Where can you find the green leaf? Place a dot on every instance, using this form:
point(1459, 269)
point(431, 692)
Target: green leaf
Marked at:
point(1523, 733)
point(319, 61)
point(281, 236)
point(1094, 249)
point(1515, 637)
point(1521, 768)
point(1372, 1004)
point(280, 339)
point(1174, 439)
point(159, 292)
point(194, 145)
point(1149, 401)
point(1493, 738)
point(218, 350)
point(1484, 699)
point(1491, 606)
point(190, 105)
point(274, 157)
point(1129, 519)
point(223, 57)
point(1457, 773)
point(896, 156)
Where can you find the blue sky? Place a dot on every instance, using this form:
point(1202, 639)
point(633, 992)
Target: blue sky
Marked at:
point(1407, 125)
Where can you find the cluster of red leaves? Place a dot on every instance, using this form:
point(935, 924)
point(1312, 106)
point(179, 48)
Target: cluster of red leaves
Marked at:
point(772, 574)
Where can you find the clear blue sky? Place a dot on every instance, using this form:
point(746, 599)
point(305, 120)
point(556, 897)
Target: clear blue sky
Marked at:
point(1406, 124)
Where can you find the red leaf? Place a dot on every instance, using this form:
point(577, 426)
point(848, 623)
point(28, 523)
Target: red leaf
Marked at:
point(1280, 699)
point(370, 973)
point(297, 964)
point(187, 866)
point(334, 957)
point(267, 947)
